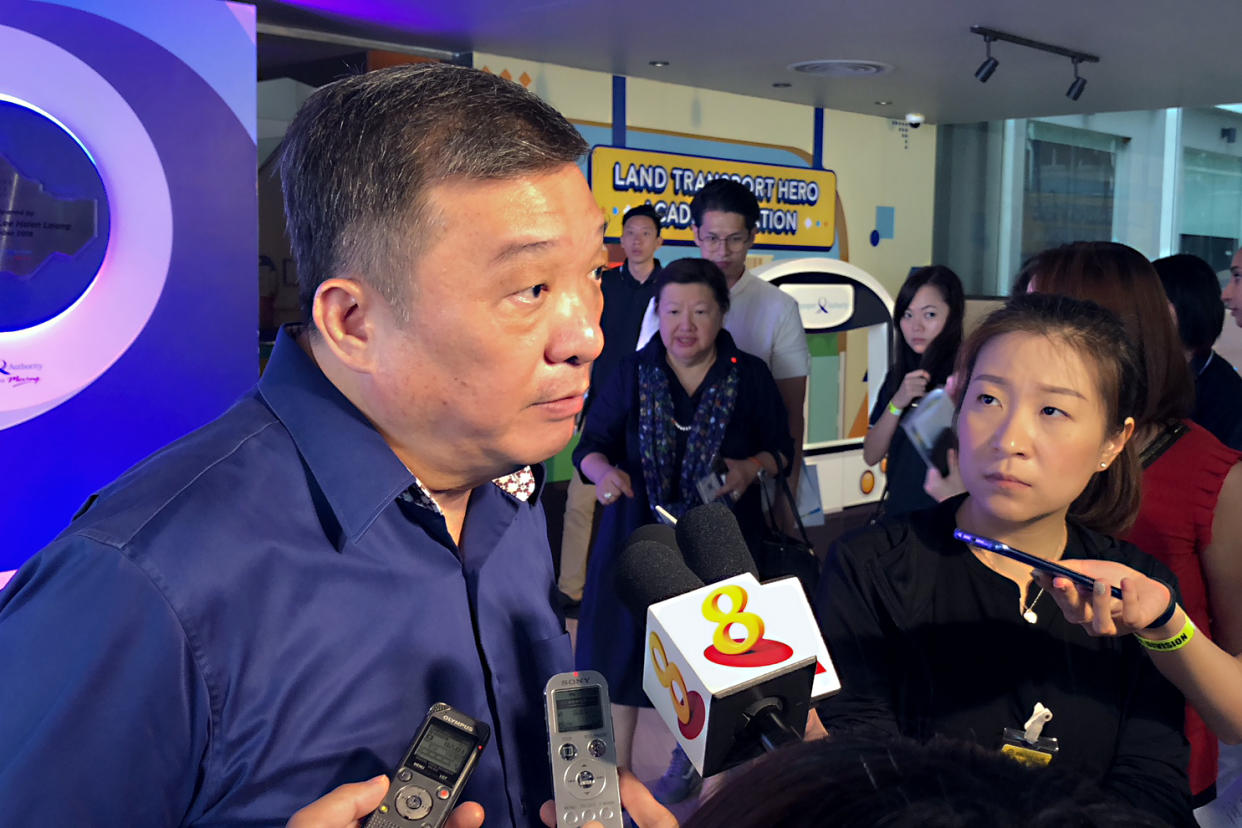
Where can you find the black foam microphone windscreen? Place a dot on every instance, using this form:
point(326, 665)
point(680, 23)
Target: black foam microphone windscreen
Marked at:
point(712, 544)
point(658, 532)
point(649, 572)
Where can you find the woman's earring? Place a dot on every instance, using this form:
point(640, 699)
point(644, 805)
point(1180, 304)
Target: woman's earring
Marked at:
point(1103, 464)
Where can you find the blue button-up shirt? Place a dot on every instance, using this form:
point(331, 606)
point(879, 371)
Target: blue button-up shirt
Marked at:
point(255, 614)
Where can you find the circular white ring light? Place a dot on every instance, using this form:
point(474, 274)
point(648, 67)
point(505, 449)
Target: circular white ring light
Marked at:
point(73, 349)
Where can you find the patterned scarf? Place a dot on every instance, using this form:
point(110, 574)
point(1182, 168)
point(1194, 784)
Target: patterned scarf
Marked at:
point(657, 436)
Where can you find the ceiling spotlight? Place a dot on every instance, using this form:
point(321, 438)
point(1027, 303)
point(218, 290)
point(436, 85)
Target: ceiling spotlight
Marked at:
point(659, 64)
point(1079, 84)
point(988, 66)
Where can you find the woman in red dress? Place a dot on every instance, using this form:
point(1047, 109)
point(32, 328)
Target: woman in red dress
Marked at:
point(1191, 512)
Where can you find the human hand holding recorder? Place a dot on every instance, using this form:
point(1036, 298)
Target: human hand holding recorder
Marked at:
point(345, 806)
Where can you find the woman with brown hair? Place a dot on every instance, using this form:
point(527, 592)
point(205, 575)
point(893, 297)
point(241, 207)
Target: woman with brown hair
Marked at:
point(1190, 517)
point(935, 637)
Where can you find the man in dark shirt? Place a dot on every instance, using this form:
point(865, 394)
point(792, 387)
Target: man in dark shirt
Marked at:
point(1194, 296)
point(627, 291)
point(267, 608)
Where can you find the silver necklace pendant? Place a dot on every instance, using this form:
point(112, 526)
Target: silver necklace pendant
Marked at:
point(1028, 612)
point(679, 426)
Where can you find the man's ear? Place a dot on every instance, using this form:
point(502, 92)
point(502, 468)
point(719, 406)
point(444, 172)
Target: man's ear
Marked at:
point(345, 312)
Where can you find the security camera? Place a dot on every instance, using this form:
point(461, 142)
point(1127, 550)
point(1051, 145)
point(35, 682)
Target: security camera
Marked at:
point(914, 119)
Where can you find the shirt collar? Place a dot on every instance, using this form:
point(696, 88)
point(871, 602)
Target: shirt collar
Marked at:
point(625, 271)
point(351, 463)
point(743, 282)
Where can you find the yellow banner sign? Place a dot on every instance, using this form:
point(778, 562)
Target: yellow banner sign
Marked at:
point(796, 205)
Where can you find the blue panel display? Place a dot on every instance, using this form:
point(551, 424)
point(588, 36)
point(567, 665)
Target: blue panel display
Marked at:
point(54, 220)
point(164, 339)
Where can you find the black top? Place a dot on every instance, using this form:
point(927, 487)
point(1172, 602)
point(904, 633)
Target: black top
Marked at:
point(1218, 398)
point(905, 469)
point(929, 641)
point(625, 304)
point(610, 637)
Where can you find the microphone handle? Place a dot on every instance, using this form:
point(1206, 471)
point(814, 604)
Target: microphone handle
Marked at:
point(772, 731)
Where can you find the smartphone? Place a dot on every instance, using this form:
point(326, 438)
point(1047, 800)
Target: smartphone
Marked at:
point(930, 429)
point(710, 484)
point(1054, 569)
point(583, 753)
point(436, 766)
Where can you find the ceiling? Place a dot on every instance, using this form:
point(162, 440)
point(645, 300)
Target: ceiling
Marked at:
point(1153, 53)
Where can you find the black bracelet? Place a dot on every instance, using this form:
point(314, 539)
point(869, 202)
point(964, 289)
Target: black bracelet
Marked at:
point(1164, 617)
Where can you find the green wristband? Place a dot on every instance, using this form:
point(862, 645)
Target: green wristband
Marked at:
point(894, 410)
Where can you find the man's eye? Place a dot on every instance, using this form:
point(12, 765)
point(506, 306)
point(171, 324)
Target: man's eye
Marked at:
point(531, 293)
point(597, 273)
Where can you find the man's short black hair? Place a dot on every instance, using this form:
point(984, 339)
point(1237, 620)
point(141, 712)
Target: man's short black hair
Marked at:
point(728, 197)
point(642, 210)
point(363, 152)
point(1192, 287)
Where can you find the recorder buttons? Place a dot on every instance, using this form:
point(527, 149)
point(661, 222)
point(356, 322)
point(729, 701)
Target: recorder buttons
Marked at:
point(413, 802)
point(568, 752)
point(405, 775)
point(586, 780)
point(588, 816)
point(569, 817)
point(597, 748)
point(443, 792)
point(606, 813)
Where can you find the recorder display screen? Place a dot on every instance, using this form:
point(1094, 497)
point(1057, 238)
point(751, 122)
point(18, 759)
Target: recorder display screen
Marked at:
point(578, 709)
point(444, 746)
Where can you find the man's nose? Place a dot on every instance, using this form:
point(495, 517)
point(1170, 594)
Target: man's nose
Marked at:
point(576, 336)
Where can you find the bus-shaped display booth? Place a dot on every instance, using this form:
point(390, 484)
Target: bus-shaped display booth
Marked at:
point(848, 318)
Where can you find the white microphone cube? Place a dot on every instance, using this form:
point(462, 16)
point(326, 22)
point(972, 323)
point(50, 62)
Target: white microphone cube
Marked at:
point(716, 654)
point(788, 592)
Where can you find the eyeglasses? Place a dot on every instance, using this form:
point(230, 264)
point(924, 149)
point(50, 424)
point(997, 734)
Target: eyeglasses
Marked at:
point(735, 242)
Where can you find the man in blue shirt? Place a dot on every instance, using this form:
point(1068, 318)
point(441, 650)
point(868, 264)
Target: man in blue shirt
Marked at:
point(267, 608)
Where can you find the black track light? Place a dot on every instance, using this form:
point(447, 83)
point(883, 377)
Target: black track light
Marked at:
point(989, 65)
point(1079, 84)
